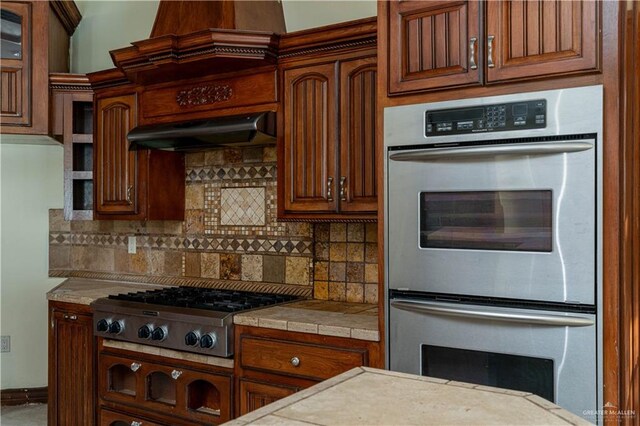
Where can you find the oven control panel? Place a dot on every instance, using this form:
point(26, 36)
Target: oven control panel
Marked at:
point(487, 118)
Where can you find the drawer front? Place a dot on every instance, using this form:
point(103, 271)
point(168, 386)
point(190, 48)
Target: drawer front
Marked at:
point(176, 103)
point(113, 418)
point(298, 359)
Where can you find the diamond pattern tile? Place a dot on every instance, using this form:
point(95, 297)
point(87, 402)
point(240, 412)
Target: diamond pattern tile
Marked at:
point(242, 206)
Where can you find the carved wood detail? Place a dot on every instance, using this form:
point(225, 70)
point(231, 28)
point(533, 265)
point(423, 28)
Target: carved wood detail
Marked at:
point(203, 95)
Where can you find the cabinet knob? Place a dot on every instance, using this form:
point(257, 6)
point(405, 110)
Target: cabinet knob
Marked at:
point(135, 366)
point(343, 189)
point(295, 361)
point(472, 53)
point(135, 423)
point(175, 374)
point(490, 63)
point(129, 189)
point(329, 189)
point(70, 317)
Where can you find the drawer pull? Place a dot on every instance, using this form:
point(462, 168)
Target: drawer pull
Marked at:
point(135, 423)
point(175, 374)
point(490, 63)
point(135, 366)
point(329, 189)
point(70, 317)
point(295, 361)
point(343, 189)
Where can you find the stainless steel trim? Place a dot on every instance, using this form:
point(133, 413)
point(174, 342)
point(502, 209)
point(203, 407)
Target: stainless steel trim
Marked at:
point(472, 53)
point(329, 189)
point(475, 151)
point(490, 63)
point(438, 308)
point(343, 189)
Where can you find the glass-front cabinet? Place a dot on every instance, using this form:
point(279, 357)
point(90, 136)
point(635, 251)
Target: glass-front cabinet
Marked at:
point(15, 70)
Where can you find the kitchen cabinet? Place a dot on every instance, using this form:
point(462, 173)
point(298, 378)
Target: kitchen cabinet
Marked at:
point(72, 124)
point(35, 41)
point(168, 390)
point(272, 364)
point(132, 185)
point(328, 133)
point(442, 44)
point(71, 365)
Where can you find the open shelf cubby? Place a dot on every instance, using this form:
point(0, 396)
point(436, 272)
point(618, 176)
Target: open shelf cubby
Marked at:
point(122, 380)
point(203, 397)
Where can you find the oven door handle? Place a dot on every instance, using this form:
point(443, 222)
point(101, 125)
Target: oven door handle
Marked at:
point(533, 148)
point(438, 308)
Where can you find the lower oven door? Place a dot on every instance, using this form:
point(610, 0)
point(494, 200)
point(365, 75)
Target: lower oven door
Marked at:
point(551, 354)
point(513, 220)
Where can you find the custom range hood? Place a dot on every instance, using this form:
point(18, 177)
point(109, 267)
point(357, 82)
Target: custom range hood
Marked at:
point(243, 130)
point(190, 39)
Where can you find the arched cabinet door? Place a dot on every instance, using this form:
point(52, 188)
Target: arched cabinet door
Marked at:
point(115, 167)
point(310, 133)
point(357, 187)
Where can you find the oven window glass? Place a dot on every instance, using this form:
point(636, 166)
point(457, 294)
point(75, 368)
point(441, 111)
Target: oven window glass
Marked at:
point(486, 220)
point(521, 373)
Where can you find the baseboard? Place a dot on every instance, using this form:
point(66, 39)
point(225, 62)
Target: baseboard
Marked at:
point(23, 396)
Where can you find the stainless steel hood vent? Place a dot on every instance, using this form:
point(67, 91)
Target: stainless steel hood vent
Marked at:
point(242, 130)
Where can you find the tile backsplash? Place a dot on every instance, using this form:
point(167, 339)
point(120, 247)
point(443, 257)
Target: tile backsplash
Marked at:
point(230, 235)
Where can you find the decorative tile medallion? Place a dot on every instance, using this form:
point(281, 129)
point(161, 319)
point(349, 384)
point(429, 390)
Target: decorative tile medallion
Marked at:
point(242, 206)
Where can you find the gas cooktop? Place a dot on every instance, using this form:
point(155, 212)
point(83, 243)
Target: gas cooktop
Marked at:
point(193, 319)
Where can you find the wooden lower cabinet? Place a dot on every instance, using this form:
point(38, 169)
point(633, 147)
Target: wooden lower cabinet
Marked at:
point(115, 418)
point(71, 365)
point(165, 390)
point(272, 364)
point(254, 394)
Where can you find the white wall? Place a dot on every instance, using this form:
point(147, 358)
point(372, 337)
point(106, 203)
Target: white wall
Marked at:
point(109, 25)
point(31, 182)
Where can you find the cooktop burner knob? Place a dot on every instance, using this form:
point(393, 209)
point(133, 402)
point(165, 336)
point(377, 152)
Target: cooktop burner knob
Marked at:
point(116, 327)
point(191, 338)
point(159, 334)
point(145, 331)
point(208, 341)
point(103, 325)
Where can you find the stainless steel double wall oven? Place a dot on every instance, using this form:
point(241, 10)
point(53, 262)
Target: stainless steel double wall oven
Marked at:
point(492, 239)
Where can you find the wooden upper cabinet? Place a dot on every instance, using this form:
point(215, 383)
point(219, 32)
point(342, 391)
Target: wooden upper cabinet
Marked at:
point(35, 41)
point(16, 64)
point(433, 44)
point(132, 185)
point(310, 133)
point(329, 140)
point(116, 168)
point(357, 186)
point(537, 38)
point(446, 44)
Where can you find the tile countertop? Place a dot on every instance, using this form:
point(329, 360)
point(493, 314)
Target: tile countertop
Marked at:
point(341, 319)
point(84, 291)
point(370, 396)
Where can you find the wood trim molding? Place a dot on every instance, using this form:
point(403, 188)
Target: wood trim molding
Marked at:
point(71, 82)
point(23, 396)
point(629, 292)
point(68, 14)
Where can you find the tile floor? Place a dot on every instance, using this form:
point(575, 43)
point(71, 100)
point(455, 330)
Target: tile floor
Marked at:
point(24, 415)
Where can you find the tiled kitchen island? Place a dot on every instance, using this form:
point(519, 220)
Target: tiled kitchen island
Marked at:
point(371, 396)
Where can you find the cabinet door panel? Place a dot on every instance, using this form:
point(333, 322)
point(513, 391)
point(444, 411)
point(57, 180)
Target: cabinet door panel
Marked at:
point(310, 138)
point(534, 38)
point(15, 90)
point(357, 187)
point(73, 369)
point(115, 166)
point(254, 395)
point(431, 45)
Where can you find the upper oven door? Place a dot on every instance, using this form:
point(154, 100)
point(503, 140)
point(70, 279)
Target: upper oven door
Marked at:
point(511, 219)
